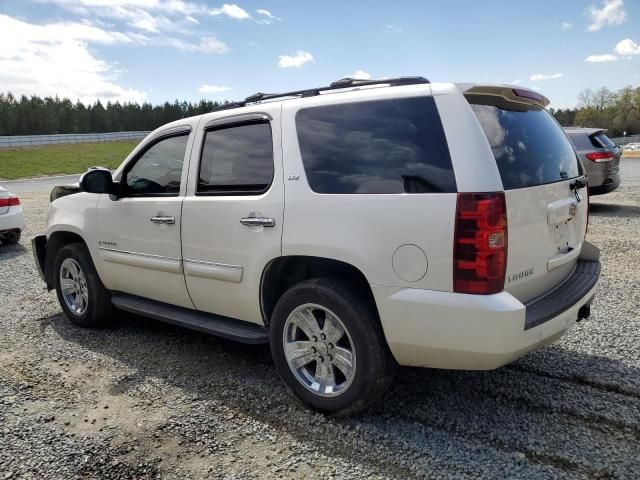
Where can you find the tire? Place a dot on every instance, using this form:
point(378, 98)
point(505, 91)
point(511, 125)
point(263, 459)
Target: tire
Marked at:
point(338, 389)
point(93, 304)
point(12, 237)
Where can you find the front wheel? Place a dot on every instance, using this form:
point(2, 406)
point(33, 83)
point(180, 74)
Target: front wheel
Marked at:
point(81, 294)
point(328, 346)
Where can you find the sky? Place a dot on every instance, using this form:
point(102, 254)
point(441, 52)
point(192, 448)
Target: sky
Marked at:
point(162, 50)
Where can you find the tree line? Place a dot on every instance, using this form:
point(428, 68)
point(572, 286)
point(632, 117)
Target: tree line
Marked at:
point(616, 111)
point(38, 116)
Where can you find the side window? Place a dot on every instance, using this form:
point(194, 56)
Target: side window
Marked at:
point(159, 170)
point(236, 160)
point(382, 146)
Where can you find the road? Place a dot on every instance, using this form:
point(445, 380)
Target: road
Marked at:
point(147, 400)
point(35, 185)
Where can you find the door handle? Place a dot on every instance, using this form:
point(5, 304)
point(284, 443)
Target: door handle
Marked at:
point(163, 220)
point(258, 222)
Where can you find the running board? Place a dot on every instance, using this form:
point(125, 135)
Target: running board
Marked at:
point(225, 327)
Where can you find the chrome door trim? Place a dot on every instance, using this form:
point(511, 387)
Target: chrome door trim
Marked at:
point(216, 271)
point(217, 264)
point(138, 253)
point(143, 260)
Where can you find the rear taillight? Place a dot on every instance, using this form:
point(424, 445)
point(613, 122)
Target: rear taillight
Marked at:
point(10, 201)
point(480, 243)
point(600, 156)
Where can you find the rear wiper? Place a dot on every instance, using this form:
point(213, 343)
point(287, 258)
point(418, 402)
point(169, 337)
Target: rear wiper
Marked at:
point(578, 183)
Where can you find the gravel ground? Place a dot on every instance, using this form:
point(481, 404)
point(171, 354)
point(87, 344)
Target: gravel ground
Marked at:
point(147, 400)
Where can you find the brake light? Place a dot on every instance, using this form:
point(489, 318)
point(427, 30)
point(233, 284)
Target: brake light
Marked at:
point(521, 92)
point(10, 201)
point(599, 157)
point(480, 243)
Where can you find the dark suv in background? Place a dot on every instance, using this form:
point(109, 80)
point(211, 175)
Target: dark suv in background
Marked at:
point(600, 157)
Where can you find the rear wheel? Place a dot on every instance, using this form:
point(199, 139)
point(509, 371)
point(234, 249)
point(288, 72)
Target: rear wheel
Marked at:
point(329, 348)
point(81, 294)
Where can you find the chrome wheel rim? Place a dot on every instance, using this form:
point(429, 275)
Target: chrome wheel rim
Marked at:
point(73, 285)
point(319, 350)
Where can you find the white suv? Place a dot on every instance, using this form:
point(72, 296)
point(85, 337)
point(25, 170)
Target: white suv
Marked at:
point(353, 227)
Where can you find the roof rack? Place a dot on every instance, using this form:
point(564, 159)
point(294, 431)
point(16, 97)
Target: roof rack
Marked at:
point(338, 84)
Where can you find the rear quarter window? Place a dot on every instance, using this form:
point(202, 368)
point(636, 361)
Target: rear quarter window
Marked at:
point(581, 140)
point(383, 146)
point(529, 146)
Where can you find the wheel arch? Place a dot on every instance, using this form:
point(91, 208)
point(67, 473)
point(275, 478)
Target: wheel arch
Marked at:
point(55, 242)
point(282, 273)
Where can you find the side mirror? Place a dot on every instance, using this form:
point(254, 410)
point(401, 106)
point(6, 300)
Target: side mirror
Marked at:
point(97, 181)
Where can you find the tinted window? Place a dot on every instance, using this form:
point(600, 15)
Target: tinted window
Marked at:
point(530, 148)
point(581, 140)
point(237, 159)
point(390, 146)
point(159, 169)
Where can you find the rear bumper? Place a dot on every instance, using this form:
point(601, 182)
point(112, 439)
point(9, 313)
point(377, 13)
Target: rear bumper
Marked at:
point(569, 293)
point(480, 332)
point(603, 177)
point(609, 185)
point(12, 220)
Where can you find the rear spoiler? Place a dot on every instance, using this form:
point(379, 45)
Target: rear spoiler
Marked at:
point(586, 130)
point(510, 93)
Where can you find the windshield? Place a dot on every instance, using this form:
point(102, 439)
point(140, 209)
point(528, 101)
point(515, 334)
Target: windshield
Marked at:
point(529, 146)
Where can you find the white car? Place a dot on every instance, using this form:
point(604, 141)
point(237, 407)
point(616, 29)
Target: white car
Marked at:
point(11, 218)
point(353, 227)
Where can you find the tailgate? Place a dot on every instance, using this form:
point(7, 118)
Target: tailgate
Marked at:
point(546, 228)
point(544, 188)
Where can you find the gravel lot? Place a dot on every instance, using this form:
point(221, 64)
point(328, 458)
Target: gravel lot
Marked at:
point(147, 400)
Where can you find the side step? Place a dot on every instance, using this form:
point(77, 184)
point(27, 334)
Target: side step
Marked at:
point(217, 325)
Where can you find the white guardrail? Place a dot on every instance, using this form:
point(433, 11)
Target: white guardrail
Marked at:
point(31, 140)
point(622, 141)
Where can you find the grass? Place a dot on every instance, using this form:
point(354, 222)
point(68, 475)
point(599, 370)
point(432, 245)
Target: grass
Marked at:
point(60, 159)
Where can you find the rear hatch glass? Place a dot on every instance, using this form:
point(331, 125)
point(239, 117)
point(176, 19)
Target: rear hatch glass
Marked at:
point(538, 165)
point(602, 141)
point(528, 145)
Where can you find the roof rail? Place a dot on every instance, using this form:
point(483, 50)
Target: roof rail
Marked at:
point(338, 84)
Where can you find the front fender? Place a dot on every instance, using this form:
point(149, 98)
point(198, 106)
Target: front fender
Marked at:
point(70, 219)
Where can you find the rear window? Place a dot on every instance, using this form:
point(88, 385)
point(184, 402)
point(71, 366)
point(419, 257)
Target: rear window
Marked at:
point(384, 146)
point(602, 141)
point(530, 148)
